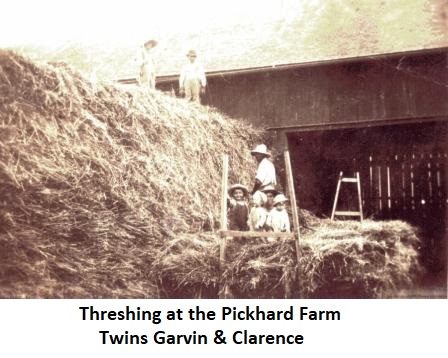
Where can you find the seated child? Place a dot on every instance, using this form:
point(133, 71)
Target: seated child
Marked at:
point(258, 213)
point(278, 220)
point(238, 209)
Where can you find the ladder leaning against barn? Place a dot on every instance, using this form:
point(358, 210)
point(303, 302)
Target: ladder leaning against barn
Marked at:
point(356, 181)
point(225, 234)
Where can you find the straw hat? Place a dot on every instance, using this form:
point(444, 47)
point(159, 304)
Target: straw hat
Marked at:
point(192, 53)
point(280, 198)
point(270, 189)
point(261, 149)
point(151, 42)
point(238, 186)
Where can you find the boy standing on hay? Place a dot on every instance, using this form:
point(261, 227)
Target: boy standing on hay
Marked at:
point(147, 75)
point(192, 80)
point(238, 209)
point(266, 171)
point(278, 220)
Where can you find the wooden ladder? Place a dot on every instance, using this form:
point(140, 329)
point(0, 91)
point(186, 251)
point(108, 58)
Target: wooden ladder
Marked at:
point(356, 181)
point(225, 234)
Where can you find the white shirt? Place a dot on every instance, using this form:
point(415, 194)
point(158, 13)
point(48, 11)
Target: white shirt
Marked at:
point(278, 220)
point(257, 218)
point(145, 59)
point(266, 173)
point(192, 71)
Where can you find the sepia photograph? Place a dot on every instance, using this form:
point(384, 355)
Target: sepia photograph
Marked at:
point(270, 149)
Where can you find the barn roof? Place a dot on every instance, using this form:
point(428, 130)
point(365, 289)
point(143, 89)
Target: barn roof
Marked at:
point(322, 31)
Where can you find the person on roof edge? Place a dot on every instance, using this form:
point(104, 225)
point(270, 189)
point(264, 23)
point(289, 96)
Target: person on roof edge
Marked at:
point(192, 79)
point(147, 74)
point(266, 171)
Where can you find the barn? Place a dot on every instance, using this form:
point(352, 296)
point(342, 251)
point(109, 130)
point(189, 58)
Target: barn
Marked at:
point(367, 101)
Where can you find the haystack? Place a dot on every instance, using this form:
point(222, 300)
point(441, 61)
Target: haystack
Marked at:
point(94, 179)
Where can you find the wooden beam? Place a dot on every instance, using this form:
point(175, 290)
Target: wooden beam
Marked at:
point(231, 233)
point(359, 195)
point(295, 216)
point(336, 196)
point(292, 198)
point(347, 213)
point(225, 174)
point(223, 221)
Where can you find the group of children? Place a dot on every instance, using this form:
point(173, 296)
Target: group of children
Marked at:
point(266, 211)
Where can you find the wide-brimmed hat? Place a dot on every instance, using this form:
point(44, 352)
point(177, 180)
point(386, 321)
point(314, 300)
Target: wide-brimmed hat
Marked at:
point(270, 189)
point(280, 198)
point(238, 186)
point(261, 149)
point(192, 53)
point(151, 42)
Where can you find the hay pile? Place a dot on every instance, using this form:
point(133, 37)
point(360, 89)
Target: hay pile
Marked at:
point(94, 179)
point(338, 260)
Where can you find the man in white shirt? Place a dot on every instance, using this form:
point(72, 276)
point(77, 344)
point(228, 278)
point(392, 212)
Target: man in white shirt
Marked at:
point(192, 80)
point(145, 58)
point(266, 171)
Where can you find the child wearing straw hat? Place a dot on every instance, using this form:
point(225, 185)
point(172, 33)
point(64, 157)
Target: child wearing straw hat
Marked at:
point(278, 220)
point(238, 209)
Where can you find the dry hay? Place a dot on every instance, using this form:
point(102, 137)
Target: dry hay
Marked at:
point(187, 266)
point(93, 179)
point(359, 260)
point(338, 260)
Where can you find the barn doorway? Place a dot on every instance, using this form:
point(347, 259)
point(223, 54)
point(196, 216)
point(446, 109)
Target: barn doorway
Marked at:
point(403, 170)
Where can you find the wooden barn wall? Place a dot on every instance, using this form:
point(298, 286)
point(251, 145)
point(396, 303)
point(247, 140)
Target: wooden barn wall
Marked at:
point(351, 92)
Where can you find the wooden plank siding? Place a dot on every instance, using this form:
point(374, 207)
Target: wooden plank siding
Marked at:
point(354, 91)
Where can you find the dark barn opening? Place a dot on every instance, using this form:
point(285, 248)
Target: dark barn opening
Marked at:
point(403, 171)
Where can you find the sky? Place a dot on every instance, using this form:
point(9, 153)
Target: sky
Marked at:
point(54, 22)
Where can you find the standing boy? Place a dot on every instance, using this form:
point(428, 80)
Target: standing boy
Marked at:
point(147, 75)
point(238, 209)
point(192, 80)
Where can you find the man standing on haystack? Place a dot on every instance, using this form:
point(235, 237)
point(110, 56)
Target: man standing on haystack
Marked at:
point(265, 176)
point(145, 58)
point(192, 80)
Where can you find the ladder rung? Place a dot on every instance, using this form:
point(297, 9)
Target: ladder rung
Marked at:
point(347, 213)
point(349, 180)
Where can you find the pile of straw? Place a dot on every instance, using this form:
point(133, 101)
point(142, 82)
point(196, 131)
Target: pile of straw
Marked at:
point(337, 260)
point(94, 179)
point(188, 266)
point(349, 259)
